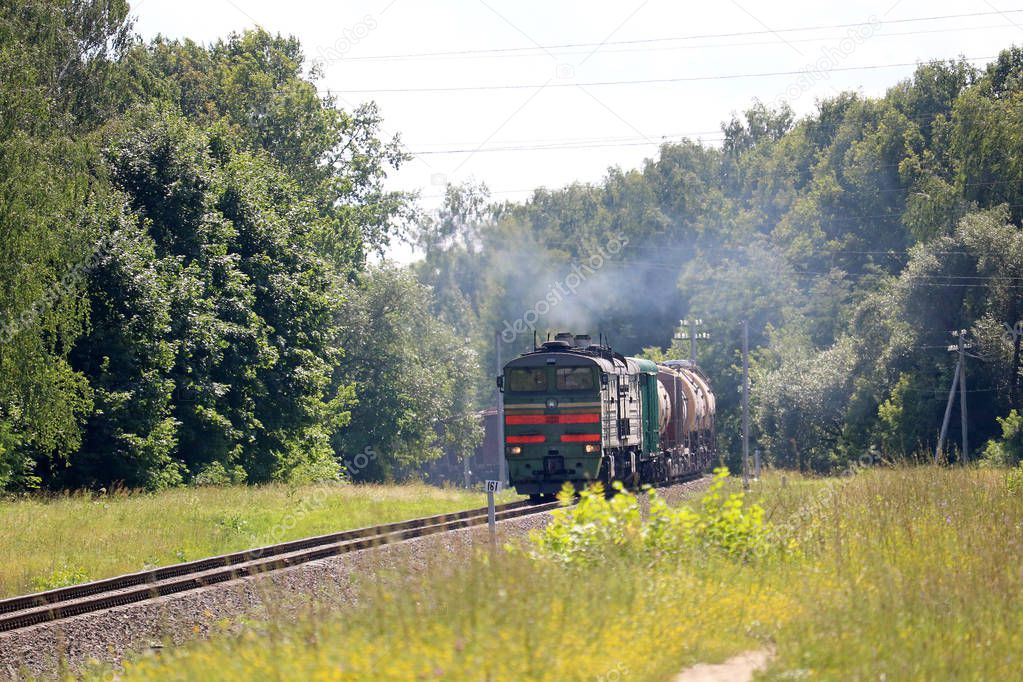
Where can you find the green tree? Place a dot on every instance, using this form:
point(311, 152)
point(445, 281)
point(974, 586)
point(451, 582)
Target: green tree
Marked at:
point(249, 317)
point(410, 371)
point(1008, 450)
point(54, 59)
point(127, 355)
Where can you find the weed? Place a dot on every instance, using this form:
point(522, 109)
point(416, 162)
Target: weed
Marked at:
point(598, 526)
point(60, 577)
point(1014, 480)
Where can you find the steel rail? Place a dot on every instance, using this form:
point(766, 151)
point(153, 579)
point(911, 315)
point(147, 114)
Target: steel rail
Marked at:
point(54, 605)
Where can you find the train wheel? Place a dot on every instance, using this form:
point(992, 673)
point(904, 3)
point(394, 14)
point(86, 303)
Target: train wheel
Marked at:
point(605, 477)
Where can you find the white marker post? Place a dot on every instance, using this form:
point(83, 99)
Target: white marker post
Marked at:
point(492, 487)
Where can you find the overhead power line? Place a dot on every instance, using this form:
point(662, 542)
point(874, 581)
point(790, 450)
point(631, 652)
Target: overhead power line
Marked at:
point(704, 250)
point(547, 147)
point(651, 264)
point(648, 41)
point(641, 49)
point(895, 214)
point(641, 81)
point(569, 140)
point(678, 137)
point(470, 147)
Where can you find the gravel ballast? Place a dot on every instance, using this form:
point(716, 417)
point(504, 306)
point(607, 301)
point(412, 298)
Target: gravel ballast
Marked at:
point(113, 634)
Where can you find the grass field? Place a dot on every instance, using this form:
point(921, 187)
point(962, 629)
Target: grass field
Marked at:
point(56, 541)
point(892, 574)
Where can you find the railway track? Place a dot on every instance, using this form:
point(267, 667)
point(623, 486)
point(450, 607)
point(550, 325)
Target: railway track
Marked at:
point(55, 605)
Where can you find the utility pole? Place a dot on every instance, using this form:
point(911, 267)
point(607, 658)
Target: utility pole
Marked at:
point(502, 464)
point(962, 392)
point(745, 403)
point(692, 335)
point(1015, 333)
point(693, 324)
point(948, 413)
point(959, 347)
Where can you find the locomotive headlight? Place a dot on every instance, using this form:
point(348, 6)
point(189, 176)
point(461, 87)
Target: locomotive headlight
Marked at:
point(590, 447)
point(514, 449)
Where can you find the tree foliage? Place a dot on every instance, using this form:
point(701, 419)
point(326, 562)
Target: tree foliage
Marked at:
point(413, 371)
point(185, 290)
point(183, 232)
point(852, 240)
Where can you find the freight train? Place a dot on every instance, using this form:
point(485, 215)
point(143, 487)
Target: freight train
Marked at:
point(576, 411)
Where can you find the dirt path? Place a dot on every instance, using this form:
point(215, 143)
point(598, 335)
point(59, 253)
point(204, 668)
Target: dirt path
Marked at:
point(736, 669)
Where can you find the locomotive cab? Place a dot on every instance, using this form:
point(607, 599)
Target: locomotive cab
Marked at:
point(553, 421)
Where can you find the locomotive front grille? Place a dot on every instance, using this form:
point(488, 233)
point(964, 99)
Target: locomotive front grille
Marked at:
point(553, 465)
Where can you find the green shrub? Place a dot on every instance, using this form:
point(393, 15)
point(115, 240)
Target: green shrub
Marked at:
point(216, 474)
point(1015, 480)
point(1009, 450)
point(61, 577)
point(597, 527)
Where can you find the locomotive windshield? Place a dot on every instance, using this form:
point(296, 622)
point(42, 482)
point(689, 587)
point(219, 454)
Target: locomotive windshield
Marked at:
point(575, 378)
point(522, 379)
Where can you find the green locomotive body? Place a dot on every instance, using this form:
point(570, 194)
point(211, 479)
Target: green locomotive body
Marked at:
point(578, 412)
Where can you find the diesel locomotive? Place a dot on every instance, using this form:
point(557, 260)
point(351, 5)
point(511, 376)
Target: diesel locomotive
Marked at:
point(579, 412)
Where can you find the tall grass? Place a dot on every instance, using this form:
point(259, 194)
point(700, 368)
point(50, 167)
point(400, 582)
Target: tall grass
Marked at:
point(48, 542)
point(893, 574)
point(910, 574)
point(501, 618)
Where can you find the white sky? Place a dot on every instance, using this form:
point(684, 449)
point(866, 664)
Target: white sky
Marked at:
point(608, 125)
